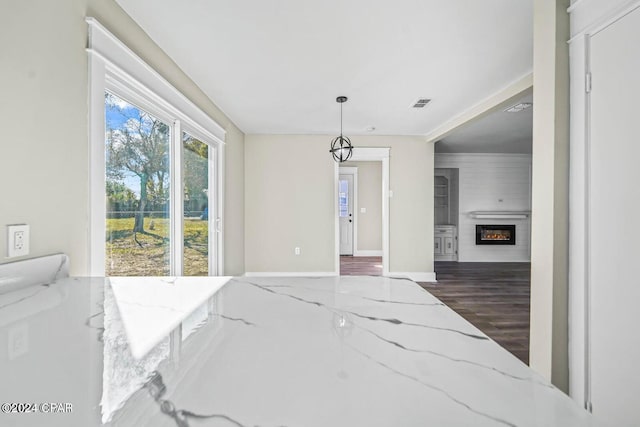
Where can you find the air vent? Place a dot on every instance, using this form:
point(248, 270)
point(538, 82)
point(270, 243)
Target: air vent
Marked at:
point(421, 102)
point(518, 107)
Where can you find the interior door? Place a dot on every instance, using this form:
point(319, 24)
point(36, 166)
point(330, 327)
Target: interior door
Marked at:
point(613, 224)
point(345, 202)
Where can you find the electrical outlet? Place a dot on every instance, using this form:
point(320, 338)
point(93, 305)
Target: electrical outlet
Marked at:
point(297, 251)
point(17, 240)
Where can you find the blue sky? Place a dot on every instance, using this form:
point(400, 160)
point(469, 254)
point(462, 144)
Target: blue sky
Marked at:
point(116, 115)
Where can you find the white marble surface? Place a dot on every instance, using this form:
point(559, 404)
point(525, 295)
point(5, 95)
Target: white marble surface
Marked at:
point(34, 271)
point(349, 351)
point(151, 307)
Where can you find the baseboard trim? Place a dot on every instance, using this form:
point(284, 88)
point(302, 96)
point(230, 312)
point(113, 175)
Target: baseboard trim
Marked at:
point(367, 253)
point(492, 260)
point(416, 276)
point(290, 274)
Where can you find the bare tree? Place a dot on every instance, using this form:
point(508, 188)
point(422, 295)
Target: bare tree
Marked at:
point(139, 144)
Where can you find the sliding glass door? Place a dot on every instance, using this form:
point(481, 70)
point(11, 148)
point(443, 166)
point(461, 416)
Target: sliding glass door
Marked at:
point(153, 229)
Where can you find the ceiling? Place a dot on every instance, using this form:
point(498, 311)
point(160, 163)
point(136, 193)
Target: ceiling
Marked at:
point(277, 66)
point(497, 132)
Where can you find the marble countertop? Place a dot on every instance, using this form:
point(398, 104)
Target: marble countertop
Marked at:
point(347, 351)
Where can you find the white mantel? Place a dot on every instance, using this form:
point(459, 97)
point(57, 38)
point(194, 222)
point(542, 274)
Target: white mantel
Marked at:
point(500, 214)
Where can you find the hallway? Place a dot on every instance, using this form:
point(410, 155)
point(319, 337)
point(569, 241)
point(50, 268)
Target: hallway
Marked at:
point(360, 265)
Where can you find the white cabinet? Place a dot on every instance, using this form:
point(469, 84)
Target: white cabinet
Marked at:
point(445, 240)
point(445, 196)
point(449, 245)
point(441, 197)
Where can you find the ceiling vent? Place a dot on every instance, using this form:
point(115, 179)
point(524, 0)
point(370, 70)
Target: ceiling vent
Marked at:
point(421, 102)
point(518, 107)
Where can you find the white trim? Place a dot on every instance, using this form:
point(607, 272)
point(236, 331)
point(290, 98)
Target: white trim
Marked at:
point(574, 6)
point(585, 340)
point(385, 215)
point(119, 57)
point(114, 67)
point(220, 224)
point(616, 16)
point(176, 218)
point(212, 212)
point(97, 182)
point(457, 157)
point(364, 154)
point(416, 276)
point(500, 99)
point(291, 274)
point(604, 21)
point(471, 259)
point(500, 214)
point(587, 21)
point(353, 171)
point(366, 252)
point(578, 224)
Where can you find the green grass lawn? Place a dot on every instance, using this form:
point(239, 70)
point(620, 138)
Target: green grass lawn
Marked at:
point(149, 256)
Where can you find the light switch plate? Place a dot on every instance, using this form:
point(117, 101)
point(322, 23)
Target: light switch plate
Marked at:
point(17, 240)
point(363, 210)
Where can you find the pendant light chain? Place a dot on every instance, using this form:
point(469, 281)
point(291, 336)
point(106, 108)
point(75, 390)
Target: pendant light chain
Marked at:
point(341, 118)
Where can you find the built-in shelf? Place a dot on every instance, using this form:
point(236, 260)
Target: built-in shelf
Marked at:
point(500, 214)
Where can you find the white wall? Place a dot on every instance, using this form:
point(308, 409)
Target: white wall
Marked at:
point(289, 189)
point(550, 192)
point(44, 148)
point(369, 197)
point(491, 182)
point(587, 184)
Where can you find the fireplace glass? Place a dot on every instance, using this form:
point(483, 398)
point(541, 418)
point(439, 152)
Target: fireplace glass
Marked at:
point(495, 234)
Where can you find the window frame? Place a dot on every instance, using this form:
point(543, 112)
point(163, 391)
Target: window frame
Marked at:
point(113, 67)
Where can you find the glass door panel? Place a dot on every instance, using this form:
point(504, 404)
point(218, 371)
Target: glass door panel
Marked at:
point(137, 154)
point(196, 168)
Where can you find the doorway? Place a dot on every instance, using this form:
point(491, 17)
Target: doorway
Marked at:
point(347, 200)
point(360, 258)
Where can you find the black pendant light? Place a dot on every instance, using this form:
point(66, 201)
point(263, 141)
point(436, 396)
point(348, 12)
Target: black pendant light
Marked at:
point(341, 147)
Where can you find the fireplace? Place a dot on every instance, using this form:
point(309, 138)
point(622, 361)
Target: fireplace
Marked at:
point(495, 234)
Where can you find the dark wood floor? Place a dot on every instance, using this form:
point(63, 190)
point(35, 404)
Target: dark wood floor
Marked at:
point(494, 297)
point(360, 265)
